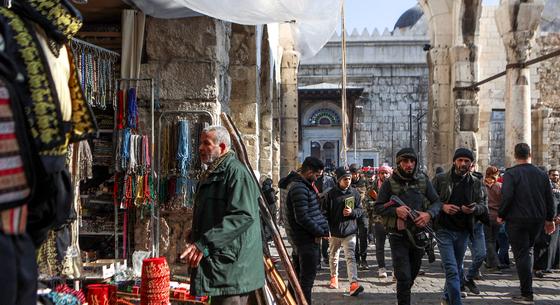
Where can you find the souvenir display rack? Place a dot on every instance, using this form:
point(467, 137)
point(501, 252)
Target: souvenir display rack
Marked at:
point(177, 162)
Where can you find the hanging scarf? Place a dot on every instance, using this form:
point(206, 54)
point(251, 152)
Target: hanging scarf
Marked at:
point(125, 151)
point(132, 109)
point(120, 109)
point(182, 158)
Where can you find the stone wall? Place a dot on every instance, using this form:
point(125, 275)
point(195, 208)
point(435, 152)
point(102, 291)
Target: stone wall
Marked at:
point(392, 69)
point(189, 61)
point(382, 125)
point(548, 86)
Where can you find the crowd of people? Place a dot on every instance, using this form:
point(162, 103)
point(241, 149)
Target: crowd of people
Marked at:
point(460, 208)
point(322, 213)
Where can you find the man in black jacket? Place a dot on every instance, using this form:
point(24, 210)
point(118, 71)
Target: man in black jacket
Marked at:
point(527, 205)
point(406, 237)
point(304, 223)
point(359, 183)
point(463, 198)
point(342, 208)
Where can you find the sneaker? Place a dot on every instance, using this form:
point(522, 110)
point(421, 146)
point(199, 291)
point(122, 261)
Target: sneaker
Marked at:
point(539, 274)
point(365, 265)
point(494, 270)
point(382, 273)
point(325, 264)
point(334, 283)
point(519, 299)
point(463, 291)
point(355, 289)
point(472, 287)
point(478, 276)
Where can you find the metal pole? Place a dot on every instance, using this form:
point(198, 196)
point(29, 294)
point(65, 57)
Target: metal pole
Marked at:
point(343, 101)
point(392, 140)
point(410, 125)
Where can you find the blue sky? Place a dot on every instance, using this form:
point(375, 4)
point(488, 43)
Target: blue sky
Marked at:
point(379, 14)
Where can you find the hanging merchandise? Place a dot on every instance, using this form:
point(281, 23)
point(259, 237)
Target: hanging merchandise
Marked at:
point(183, 149)
point(97, 72)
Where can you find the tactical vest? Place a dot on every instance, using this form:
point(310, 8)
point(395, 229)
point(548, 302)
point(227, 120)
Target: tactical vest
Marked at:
point(398, 189)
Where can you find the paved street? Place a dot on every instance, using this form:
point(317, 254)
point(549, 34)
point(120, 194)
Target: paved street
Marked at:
point(495, 288)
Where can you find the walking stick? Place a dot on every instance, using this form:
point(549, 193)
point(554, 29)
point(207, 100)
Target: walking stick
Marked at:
point(277, 238)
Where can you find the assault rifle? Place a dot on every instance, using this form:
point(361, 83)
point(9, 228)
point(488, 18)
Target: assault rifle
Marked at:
point(413, 214)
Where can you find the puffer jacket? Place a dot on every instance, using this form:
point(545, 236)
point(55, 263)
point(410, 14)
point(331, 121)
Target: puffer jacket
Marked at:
point(302, 215)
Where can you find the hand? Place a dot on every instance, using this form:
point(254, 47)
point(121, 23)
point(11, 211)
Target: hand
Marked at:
point(402, 212)
point(347, 211)
point(467, 209)
point(500, 220)
point(192, 255)
point(557, 220)
point(423, 219)
point(549, 227)
point(450, 209)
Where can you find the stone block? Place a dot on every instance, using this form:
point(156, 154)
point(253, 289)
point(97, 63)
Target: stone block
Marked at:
point(187, 38)
point(187, 80)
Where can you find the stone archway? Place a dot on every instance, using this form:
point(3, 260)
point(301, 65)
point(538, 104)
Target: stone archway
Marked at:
point(452, 62)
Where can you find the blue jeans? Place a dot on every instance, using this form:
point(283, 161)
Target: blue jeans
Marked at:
point(477, 245)
point(452, 247)
point(503, 246)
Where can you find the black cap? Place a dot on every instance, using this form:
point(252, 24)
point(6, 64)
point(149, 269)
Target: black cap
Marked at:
point(406, 153)
point(463, 153)
point(342, 172)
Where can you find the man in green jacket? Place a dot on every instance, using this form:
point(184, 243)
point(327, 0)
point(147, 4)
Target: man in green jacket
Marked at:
point(224, 249)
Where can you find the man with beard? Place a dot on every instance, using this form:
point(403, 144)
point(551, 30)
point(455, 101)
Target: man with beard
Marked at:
point(383, 173)
point(225, 240)
point(405, 234)
point(360, 184)
point(463, 198)
point(304, 223)
point(527, 206)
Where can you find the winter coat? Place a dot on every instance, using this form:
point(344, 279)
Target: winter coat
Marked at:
point(226, 228)
point(302, 215)
point(337, 199)
point(443, 184)
point(526, 195)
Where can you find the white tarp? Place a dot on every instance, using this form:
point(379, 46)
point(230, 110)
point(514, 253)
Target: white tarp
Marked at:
point(313, 22)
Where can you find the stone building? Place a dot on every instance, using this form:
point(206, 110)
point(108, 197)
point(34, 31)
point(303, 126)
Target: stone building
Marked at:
point(391, 70)
point(406, 76)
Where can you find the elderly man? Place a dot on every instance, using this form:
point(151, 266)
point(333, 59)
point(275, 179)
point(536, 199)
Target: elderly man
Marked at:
point(225, 240)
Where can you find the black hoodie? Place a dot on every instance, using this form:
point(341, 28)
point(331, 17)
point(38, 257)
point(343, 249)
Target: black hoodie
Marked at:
point(302, 215)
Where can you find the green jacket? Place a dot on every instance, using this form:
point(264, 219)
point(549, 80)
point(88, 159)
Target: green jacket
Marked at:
point(444, 187)
point(226, 228)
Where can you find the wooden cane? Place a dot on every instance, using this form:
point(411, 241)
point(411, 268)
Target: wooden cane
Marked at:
point(241, 150)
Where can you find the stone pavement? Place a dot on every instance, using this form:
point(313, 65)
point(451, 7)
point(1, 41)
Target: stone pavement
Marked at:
point(495, 288)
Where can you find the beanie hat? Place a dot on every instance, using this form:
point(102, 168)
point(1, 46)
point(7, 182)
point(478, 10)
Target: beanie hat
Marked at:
point(342, 172)
point(463, 153)
point(406, 153)
point(354, 168)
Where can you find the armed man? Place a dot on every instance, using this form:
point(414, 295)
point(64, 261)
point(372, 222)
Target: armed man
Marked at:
point(407, 202)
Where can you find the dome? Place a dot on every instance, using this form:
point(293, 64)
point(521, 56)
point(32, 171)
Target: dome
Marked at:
point(409, 18)
point(550, 20)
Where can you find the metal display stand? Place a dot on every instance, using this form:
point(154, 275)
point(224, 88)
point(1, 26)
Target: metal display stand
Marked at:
point(164, 115)
point(151, 140)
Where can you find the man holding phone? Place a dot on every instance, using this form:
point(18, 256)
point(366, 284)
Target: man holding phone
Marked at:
point(463, 198)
